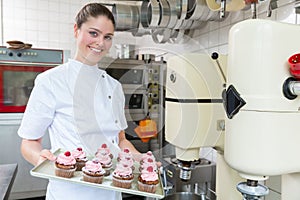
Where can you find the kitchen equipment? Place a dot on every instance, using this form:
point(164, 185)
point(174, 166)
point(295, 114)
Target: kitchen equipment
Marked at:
point(18, 69)
point(264, 128)
point(202, 182)
point(127, 17)
point(185, 196)
point(142, 81)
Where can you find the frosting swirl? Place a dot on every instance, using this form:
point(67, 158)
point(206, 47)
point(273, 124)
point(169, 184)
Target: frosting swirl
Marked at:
point(79, 154)
point(104, 159)
point(150, 176)
point(65, 159)
point(92, 166)
point(123, 171)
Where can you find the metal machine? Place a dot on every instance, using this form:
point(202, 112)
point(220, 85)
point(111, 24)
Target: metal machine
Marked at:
point(262, 106)
point(194, 110)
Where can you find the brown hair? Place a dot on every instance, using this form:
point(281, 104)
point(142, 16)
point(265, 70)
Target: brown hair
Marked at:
point(93, 10)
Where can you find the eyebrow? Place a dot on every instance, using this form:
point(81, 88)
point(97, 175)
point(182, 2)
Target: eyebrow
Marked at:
point(95, 29)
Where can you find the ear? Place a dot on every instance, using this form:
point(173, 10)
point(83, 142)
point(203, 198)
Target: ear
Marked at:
point(75, 30)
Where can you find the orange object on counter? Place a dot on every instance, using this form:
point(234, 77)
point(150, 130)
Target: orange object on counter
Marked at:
point(146, 130)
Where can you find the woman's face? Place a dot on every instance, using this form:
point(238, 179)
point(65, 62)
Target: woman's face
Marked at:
point(94, 39)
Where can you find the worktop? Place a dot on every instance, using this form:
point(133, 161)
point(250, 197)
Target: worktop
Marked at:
point(8, 173)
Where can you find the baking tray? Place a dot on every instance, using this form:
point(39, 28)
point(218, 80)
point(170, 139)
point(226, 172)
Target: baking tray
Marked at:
point(46, 170)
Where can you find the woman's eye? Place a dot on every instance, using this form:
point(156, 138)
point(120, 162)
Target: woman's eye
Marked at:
point(108, 37)
point(93, 33)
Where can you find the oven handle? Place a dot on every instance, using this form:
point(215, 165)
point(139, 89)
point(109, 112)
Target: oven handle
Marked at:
point(8, 119)
point(28, 64)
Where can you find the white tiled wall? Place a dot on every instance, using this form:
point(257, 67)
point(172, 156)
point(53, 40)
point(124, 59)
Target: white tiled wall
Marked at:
point(49, 24)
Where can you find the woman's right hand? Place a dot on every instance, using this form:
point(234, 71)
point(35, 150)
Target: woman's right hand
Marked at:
point(46, 154)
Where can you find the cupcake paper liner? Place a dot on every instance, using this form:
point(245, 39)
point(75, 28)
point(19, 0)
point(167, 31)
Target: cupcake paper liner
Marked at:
point(65, 173)
point(92, 179)
point(147, 188)
point(121, 183)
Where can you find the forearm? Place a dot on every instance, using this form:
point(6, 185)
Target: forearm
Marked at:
point(31, 150)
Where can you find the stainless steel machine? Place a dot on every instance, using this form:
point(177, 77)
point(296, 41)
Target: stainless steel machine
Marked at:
point(202, 182)
point(143, 82)
point(18, 69)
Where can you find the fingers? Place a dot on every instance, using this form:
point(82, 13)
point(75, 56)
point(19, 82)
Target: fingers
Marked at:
point(47, 154)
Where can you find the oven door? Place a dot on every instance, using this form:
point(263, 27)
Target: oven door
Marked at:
point(136, 104)
point(16, 83)
point(131, 75)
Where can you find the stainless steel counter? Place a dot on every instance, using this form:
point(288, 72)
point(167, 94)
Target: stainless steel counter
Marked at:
point(7, 176)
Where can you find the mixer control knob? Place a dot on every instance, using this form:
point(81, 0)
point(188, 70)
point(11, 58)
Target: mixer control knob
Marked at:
point(10, 54)
point(19, 54)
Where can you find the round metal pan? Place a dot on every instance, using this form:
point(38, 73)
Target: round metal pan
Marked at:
point(127, 17)
point(233, 5)
point(150, 14)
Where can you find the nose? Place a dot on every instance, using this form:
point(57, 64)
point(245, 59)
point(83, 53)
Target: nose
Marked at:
point(100, 41)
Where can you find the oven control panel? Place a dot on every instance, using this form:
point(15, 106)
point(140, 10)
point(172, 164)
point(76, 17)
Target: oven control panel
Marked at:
point(31, 55)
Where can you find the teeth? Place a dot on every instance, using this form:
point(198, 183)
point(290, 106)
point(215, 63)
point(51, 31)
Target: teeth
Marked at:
point(96, 50)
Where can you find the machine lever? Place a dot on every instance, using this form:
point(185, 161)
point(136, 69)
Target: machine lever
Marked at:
point(215, 57)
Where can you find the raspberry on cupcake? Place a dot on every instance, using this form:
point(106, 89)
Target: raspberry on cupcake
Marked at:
point(80, 157)
point(104, 149)
point(65, 165)
point(93, 172)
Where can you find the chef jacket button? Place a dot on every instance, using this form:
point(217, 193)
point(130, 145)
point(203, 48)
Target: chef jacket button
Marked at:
point(116, 121)
point(113, 141)
point(109, 97)
point(103, 76)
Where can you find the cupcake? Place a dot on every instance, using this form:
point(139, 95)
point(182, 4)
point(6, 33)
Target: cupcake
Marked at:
point(128, 161)
point(122, 176)
point(104, 149)
point(80, 157)
point(93, 172)
point(148, 180)
point(65, 165)
point(105, 161)
point(148, 162)
point(147, 155)
point(125, 153)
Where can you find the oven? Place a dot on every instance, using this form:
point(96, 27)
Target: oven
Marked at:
point(18, 69)
point(142, 83)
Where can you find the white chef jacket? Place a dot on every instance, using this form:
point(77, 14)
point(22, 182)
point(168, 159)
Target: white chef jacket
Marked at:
point(58, 105)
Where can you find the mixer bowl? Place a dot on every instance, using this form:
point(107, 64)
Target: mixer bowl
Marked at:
point(185, 196)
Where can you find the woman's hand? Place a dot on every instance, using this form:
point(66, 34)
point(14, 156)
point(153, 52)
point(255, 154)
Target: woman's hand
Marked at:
point(46, 154)
point(33, 152)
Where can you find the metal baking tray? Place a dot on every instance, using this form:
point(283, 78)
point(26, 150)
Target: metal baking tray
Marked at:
point(46, 170)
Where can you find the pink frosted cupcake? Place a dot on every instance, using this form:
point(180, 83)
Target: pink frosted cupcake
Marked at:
point(124, 154)
point(80, 157)
point(146, 156)
point(122, 176)
point(105, 161)
point(148, 180)
point(65, 165)
point(104, 149)
point(148, 162)
point(93, 172)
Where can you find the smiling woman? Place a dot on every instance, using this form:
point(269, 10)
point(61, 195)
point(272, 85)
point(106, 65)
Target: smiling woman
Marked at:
point(78, 104)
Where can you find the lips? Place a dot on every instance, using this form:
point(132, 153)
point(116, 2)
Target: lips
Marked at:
point(97, 50)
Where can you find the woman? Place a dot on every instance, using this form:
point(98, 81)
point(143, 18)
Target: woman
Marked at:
point(78, 104)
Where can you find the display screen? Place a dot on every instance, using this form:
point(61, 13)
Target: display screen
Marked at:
point(133, 101)
point(126, 76)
